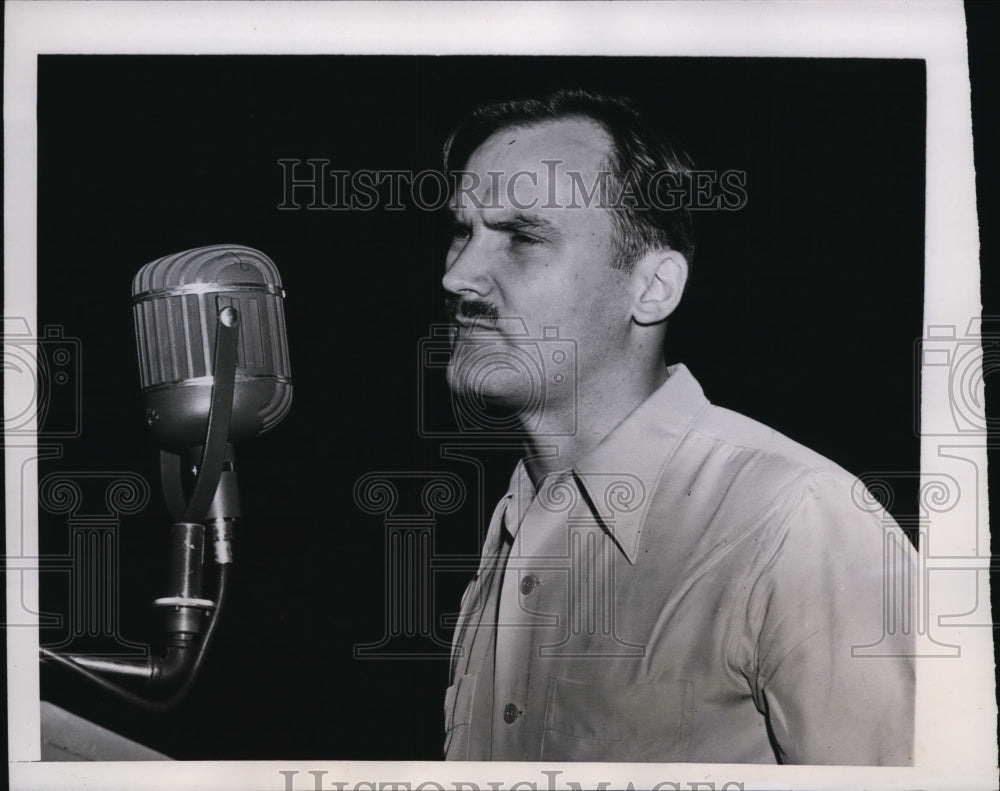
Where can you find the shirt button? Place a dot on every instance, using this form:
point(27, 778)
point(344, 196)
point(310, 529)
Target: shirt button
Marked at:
point(528, 584)
point(510, 713)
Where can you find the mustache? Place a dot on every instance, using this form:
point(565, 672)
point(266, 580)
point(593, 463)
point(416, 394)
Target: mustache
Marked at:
point(459, 308)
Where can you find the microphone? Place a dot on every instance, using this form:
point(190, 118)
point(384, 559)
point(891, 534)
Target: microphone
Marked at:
point(177, 301)
point(214, 369)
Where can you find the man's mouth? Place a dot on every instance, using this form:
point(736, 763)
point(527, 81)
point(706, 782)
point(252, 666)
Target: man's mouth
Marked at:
point(478, 324)
point(472, 313)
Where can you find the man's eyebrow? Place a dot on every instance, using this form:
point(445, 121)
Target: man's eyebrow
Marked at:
point(523, 222)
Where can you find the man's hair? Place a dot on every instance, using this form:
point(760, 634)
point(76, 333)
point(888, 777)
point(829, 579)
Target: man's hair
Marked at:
point(637, 159)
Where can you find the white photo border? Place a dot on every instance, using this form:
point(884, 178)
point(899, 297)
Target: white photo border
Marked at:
point(956, 717)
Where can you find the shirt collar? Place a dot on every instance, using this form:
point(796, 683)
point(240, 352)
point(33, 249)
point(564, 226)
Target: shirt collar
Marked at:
point(521, 493)
point(619, 476)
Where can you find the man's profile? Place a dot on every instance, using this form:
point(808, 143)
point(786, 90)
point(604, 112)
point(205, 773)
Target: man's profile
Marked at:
point(665, 580)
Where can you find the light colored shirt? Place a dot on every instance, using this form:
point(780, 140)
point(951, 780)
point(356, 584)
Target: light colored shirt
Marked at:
point(698, 588)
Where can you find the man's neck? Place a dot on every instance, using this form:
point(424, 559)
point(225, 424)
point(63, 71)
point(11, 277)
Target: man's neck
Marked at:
point(564, 436)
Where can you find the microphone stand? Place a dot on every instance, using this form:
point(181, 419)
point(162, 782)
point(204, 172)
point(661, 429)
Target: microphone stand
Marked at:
point(214, 501)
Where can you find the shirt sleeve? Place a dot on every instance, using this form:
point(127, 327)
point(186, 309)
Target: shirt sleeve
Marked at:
point(834, 667)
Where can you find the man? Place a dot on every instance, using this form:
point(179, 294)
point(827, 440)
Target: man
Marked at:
point(665, 580)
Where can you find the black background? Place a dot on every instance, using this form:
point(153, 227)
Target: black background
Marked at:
point(803, 312)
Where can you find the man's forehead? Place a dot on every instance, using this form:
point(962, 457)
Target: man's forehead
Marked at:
point(539, 167)
point(575, 142)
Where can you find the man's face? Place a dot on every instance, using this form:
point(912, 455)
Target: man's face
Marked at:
point(529, 258)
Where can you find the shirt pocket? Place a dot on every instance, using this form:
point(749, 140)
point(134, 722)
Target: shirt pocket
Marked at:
point(457, 717)
point(615, 722)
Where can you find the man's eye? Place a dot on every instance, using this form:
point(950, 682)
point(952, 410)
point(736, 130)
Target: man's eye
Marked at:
point(460, 232)
point(520, 238)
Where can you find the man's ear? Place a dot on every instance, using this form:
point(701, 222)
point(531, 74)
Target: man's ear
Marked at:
point(660, 276)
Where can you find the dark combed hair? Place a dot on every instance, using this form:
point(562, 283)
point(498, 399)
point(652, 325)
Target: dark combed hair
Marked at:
point(638, 157)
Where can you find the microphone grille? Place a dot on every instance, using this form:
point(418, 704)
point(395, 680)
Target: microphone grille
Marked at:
point(176, 300)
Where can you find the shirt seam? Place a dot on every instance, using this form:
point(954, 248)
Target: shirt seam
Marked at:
point(658, 478)
point(755, 573)
point(807, 468)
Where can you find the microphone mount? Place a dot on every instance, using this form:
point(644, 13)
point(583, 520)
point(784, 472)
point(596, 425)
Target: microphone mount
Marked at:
point(214, 500)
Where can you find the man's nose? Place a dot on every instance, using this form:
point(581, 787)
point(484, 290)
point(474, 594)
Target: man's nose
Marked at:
point(468, 269)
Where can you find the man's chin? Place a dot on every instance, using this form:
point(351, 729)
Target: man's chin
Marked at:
point(481, 393)
point(499, 393)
